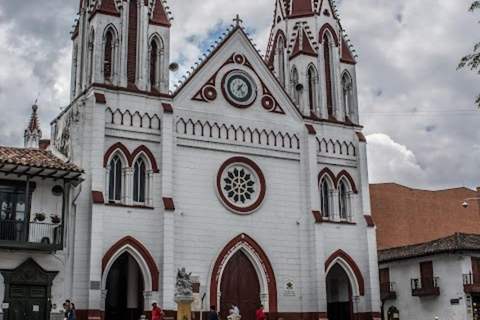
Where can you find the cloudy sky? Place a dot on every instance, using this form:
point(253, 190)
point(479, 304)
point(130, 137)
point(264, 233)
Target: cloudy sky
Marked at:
point(420, 119)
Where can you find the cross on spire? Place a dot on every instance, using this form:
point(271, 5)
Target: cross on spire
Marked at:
point(237, 20)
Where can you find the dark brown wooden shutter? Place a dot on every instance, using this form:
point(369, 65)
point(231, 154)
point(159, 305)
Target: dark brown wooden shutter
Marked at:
point(385, 275)
point(476, 270)
point(328, 74)
point(426, 272)
point(132, 41)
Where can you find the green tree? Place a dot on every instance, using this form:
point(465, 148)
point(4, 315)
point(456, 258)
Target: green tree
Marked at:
point(472, 60)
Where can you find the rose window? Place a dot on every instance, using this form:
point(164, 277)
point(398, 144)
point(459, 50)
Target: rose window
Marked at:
point(241, 185)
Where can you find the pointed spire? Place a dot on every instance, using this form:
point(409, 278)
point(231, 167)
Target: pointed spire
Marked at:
point(33, 134)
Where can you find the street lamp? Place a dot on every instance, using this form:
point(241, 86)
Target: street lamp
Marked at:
point(465, 202)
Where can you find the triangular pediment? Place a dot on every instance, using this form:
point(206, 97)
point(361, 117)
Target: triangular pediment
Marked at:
point(304, 42)
point(29, 272)
point(207, 88)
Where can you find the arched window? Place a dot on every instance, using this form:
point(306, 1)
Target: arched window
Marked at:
point(347, 88)
point(139, 180)
point(312, 89)
point(295, 82)
point(343, 200)
point(325, 198)
point(74, 70)
point(91, 48)
point(153, 63)
point(108, 63)
point(115, 182)
point(328, 73)
point(132, 41)
point(281, 59)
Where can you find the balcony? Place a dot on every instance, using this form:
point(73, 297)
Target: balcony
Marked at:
point(424, 287)
point(388, 291)
point(33, 236)
point(471, 283)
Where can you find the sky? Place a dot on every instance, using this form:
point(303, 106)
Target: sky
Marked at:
point(421, 122)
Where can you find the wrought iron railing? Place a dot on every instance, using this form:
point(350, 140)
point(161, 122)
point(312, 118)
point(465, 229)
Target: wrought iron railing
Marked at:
point(471, 278)
point(424, 283)
point(33, 232)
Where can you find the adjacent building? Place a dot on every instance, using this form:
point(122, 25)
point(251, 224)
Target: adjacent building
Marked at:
point(37, 193)
point(429, 252)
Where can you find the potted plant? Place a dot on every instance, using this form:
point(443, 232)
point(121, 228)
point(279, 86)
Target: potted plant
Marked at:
point(40, 216)
point(55, 218)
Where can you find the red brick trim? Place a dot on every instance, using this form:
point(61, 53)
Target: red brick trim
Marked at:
point(128, 240)
point(318, 216)
point(332, 31)
point(274, 46)
point(311, 129)
point(149, 155)
point(367, 315)
point(215, 281)
point(167, 108)
point(261, 177)
point(169, 204)
point(114, 148)
point(330, 174)
point(131, 156)
point(345, 174)
point(361, 137)
point(347, 62)
point(100, 98)
point(97, 197)
point(358, 274)
point(369, 220)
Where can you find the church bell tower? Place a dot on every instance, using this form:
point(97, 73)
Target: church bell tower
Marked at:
point(121, 43)
point(309, 54)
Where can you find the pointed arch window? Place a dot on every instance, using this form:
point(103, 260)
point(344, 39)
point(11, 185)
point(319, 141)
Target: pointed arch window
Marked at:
point(139, 180)
point(325, 204)
point(91, 47)
point(295, 82)
point(115, 180)
point(343, 200)
point(312, 89)
point(281, 59)
point(156, 63)
point(328, 72)
point(108, 64)
point(347, 88)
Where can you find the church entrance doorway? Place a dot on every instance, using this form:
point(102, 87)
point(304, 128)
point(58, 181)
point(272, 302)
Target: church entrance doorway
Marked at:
point(240, 285)
point(339, 294)
point(124, 287)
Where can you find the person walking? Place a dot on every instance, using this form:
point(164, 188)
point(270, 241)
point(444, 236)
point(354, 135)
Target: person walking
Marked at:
point(65, 311)
point(71, 314)
point(213, 313)
point(260, 314)
point(157, 312)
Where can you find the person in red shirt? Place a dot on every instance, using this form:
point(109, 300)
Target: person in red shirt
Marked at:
point(157, 312)
point(260, 314)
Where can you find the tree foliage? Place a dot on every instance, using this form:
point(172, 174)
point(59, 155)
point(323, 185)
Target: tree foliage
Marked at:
point(472, 60)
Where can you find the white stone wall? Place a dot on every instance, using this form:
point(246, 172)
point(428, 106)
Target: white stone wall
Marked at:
point(449, 268)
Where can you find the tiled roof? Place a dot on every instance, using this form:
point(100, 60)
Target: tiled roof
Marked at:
point(456, 242)
point(34, 158)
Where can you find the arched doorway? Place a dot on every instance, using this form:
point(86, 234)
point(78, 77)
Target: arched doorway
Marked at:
point(240, 285)
point(339, 294)
point(125, 287)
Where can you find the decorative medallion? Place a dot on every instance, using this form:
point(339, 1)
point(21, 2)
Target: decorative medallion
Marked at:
point(239, 89)
point(238, 92)
point(241, 185)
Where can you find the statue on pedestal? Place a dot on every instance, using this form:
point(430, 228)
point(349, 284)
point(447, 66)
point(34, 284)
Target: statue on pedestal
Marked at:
point(183, 286)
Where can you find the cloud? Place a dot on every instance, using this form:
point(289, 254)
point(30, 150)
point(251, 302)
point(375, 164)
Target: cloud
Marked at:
point(390, 161)
point(409, 89)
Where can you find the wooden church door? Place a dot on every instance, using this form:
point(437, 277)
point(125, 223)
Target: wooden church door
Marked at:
point(239, 285)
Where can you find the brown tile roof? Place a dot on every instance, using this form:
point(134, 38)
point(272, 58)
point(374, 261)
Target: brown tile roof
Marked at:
point(34, 158)
point(406, 216)
point(456, 242)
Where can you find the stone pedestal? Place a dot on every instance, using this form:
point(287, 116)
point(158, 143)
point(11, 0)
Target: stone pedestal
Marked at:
point(184, 307)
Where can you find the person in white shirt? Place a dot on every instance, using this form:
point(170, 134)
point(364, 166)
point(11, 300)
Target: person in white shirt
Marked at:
point(235, 309)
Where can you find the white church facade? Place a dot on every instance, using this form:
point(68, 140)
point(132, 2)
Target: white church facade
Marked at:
point(252, 174)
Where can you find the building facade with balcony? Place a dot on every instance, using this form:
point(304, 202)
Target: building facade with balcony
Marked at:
point(37, 190)
point(428, 252)
point(439, 278)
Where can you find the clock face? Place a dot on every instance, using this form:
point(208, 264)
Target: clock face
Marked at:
point(240, 89)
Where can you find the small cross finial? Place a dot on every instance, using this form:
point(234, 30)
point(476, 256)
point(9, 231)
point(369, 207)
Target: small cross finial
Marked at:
point(237, 20)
